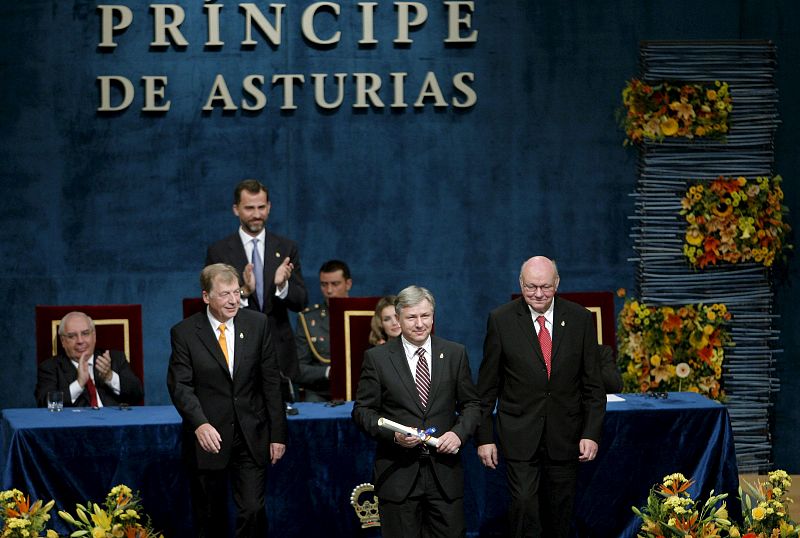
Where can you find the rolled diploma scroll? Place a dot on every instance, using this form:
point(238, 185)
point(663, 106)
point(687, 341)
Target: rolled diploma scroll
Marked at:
point(407, 430)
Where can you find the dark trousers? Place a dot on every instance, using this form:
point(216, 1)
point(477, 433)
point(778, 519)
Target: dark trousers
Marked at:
point(247, 480)
point(542, 496)
point(425, 512)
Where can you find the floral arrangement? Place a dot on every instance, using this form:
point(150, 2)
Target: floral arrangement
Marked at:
point(764, 509)
point(662, 348)
point(659, 110)
point(120, 516)
point(671, 512)
point(735, 220)
point(20, 519)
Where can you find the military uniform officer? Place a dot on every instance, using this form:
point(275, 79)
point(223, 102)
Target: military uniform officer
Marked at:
point(313, 333)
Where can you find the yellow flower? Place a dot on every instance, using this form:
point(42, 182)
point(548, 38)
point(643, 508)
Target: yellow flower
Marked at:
point(734, 533)
point(655, 360)
point(669, 127)
point(51, 533)
point(759, 513)
point(694, 236)
point(711, 95)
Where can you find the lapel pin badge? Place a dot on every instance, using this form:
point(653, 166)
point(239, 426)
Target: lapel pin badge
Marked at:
point(563, 323)
point(441, 355)
point(277, 254)
point(241, 336)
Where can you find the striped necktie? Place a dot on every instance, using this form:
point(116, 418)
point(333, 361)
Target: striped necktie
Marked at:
point(423, 377)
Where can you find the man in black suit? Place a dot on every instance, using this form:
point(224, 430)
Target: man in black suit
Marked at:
point(540, 367)
point(272, 281)
point(223, 379)
point(85, 378)
point(420, 489)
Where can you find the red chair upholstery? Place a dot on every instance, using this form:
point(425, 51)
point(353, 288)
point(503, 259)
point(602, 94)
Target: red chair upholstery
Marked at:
point(192, 305)
point(118, 327)
point(350, 319)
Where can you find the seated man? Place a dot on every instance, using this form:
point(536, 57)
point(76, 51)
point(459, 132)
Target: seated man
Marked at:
point(86, 378)
point(313, 333)
point(612, 379)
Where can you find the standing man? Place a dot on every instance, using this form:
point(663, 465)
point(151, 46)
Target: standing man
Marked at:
point(540, 366)
point(223, 379)
point(86, 379)
point(272, 280)
point(421, 381)
point(313, 333)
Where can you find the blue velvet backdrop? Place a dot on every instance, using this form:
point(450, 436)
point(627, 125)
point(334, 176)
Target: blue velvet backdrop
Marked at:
point(119, 208)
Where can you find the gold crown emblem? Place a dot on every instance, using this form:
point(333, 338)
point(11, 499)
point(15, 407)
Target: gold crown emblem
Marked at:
point(367, 511)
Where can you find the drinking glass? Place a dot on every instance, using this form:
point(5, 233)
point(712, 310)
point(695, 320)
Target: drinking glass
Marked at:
point(55, 400)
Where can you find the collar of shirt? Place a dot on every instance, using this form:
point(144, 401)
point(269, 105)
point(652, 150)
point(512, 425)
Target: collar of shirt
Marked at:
point(91, 365)
point(412, 357)
point(548, 317)
point(215, 323)
point(247, 241)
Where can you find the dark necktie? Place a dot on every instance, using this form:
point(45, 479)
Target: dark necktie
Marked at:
point(545, 343)
point(423, 377)
point(258, 272)
point(92, 390)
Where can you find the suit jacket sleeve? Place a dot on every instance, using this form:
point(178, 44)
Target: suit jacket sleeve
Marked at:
point(469, 405)
point(593, 397)
point(368, 399)
point(47, 379)
point(297, 297)
point(130, 387)
point(489, 382)
point(180, 381)
point(271, 389)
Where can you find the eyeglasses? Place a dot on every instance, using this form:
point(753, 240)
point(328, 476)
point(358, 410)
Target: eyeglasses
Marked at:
point(74, 336)
point(547, 289)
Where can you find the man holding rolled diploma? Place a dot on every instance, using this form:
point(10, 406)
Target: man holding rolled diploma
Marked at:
point(418, 486)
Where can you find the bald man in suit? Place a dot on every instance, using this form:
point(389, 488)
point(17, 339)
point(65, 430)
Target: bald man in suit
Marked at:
point(540, 367)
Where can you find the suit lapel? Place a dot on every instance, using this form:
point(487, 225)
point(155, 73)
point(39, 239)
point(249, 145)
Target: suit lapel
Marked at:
point(525, 321)
point(437, 363)
point(397, 357)
point(273, 257)
point(206, 335)
point(559, 324)
point(239, 343)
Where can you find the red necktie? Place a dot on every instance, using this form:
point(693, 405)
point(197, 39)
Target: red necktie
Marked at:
point(92, 392)
point(545, 343)
point(423, 377)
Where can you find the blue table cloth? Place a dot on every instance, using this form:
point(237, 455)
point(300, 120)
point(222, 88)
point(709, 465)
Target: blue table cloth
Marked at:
point(79, 454)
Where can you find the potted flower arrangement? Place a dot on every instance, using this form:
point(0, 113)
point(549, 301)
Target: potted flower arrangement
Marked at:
point(671, 512)
point(658, 110)
point(735, 220)
point(665, 348)
point(21, 519)
point(120, 516)
point(764, 509)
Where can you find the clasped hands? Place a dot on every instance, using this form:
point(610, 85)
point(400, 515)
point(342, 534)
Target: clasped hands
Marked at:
point(449, 442)
point(102, 367)
point(211, 441)
point(282, 275)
